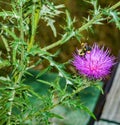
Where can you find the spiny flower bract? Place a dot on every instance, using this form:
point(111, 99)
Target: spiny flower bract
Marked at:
point(96, 64)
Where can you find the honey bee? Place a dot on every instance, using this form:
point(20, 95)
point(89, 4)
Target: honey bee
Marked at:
point(85, 48)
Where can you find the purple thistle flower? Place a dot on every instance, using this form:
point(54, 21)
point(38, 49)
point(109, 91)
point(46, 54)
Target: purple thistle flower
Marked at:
point(96, 64)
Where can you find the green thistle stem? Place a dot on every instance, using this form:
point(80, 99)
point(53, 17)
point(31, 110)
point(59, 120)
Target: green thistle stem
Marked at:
point(115, 6)
point(91, 22)
point(35, 20)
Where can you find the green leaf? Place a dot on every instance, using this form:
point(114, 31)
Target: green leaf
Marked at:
point(11, 14)
point(4, 63)
point(115, 18)
point(70, 22)
point(5, 80)
point(51, 24)
point(56, 116)
point(48, 12)
point(11, 33)
point(83, 107)
point(99, 87)
point(45, 82)
point(44, 71)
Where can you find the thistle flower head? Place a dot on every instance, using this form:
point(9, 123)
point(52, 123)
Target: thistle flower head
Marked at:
point(96, 64)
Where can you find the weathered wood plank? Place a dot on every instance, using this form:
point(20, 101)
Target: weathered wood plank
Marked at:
point(111, 110)
point(104, 123)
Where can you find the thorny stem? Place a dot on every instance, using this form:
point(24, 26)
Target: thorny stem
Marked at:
point(20, 74)
point(6, 44)
point(85, 26)
point(65, 38)
point(60, 42)
point(72, 94)
point(115, 6)
point(35, 20)
point(65, 98)
point(53, 45)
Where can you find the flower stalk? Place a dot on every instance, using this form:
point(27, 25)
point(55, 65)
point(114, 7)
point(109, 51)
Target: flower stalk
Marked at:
point(82, 28)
